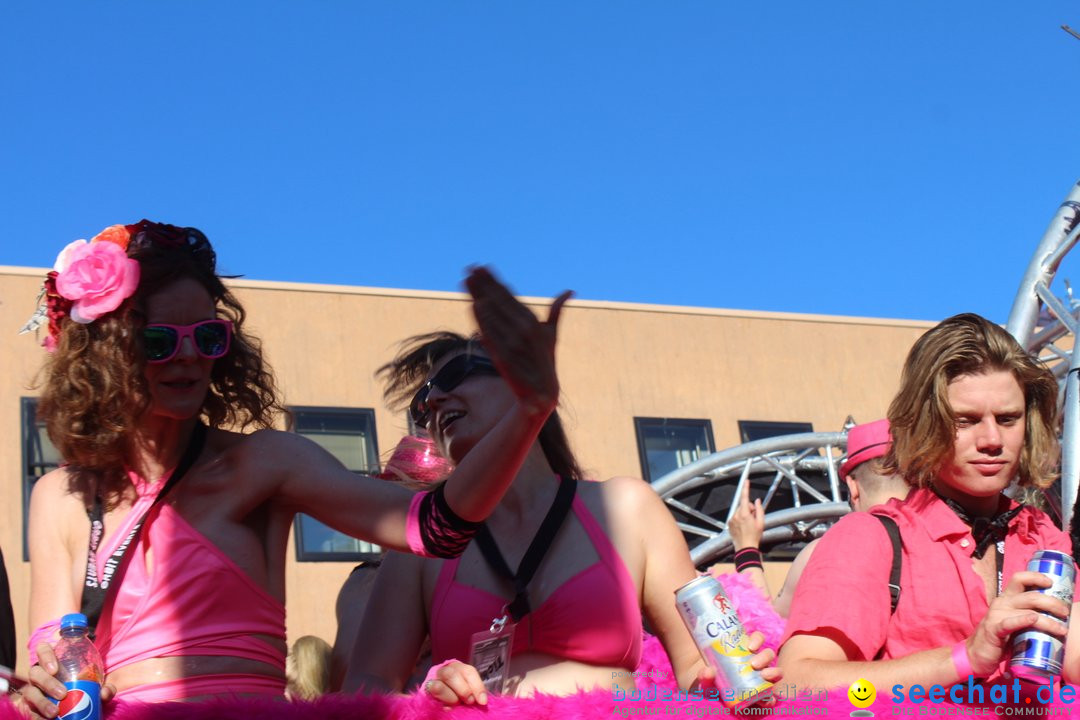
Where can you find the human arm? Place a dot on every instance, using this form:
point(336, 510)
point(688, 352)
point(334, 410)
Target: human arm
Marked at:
point(523, 350)
point(821, 660)
point(392, 630)
point(58, 532)
point(746, 526)
point(349, 609)
point(1070, 667)
point(666, 568)
point(839, 618)
point(782, 602)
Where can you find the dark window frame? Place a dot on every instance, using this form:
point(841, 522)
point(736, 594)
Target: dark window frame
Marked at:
point(302, 553)
point(640, 424)
point(30, 443)
point(746, 427)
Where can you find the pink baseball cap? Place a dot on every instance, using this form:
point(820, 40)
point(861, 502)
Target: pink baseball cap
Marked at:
point(865, 442)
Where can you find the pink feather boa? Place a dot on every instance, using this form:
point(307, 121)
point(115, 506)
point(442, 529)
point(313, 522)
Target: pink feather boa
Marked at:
point(654, 676)
point(755, 611)
point(594, 705)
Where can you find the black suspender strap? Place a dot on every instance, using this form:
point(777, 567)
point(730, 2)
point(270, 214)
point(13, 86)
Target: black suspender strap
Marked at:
point(894, 572)
point(519, 607)
point(96, 588)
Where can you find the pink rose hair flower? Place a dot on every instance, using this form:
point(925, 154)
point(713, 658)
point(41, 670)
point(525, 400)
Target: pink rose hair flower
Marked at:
point(96, 277)
point(88, 280)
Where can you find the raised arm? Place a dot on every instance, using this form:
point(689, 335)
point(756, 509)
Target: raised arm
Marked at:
point(523, 350)
point(747, 525)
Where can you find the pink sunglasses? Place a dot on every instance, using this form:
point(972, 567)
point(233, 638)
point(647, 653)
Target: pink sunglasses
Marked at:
point(211, 339)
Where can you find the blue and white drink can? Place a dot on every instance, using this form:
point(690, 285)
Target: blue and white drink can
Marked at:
point(1037, 656)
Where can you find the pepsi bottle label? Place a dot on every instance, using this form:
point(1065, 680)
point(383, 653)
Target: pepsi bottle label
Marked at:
point(82, 702)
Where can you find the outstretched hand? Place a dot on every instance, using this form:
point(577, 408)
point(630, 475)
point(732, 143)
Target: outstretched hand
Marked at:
point(521, 346)
point(747, 525)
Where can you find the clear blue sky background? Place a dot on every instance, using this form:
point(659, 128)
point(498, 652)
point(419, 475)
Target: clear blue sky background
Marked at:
point(856, 157)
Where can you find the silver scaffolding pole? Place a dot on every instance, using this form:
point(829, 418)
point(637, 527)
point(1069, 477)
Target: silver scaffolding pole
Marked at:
point(1044, 325)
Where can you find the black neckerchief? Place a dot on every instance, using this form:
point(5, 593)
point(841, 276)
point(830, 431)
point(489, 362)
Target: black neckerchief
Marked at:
point(986, 531)
point(519, 607)
point(95, 588)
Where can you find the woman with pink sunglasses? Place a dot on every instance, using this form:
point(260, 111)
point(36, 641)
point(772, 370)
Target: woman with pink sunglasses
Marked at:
point(169, 530)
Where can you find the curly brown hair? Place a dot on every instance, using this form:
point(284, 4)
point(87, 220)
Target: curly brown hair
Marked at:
point(922, 423)
point(416, 357)
point(94, 390)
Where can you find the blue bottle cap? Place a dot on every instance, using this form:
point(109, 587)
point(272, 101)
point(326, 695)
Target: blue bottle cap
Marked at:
point(73, 620)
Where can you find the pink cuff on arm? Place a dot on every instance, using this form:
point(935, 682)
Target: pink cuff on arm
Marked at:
point(45, 633)
point(412, 527)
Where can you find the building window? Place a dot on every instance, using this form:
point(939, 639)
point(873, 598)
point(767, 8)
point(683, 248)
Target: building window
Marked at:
point(666, 444)
point(348, 435)
point(750, 430)
point(39, 456)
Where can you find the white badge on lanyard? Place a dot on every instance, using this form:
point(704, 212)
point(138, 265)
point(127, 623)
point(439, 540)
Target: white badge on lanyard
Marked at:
point(489, 653)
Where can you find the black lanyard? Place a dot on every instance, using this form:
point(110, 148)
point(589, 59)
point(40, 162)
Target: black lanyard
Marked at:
point(95, 588)
point(519, 607)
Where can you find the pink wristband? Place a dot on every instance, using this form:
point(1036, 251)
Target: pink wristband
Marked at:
point(45, 633)
point(412, 526)
point(961, 661)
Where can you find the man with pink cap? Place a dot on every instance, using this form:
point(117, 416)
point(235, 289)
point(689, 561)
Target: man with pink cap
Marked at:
point(867, 487)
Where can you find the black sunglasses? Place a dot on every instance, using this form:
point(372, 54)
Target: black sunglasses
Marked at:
point(449, 377)
point(161, 342)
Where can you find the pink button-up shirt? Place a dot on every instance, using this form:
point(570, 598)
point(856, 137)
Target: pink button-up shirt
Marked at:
point(844, 588)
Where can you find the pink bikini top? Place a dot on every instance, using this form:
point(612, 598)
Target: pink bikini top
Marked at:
point(592, 618)
point(193, 600)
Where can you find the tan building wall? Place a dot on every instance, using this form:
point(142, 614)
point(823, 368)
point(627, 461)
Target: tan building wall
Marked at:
point(616, 361)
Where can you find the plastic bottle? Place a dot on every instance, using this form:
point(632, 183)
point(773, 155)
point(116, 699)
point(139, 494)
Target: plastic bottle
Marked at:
point(81, 670)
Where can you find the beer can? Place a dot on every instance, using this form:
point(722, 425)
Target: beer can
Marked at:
point(719, 635)
point(1037, 656)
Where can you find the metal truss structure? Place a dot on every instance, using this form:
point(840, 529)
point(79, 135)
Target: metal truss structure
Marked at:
point(797, 474)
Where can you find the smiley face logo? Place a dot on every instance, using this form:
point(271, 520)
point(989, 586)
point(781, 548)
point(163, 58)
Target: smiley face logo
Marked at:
point(861, 693)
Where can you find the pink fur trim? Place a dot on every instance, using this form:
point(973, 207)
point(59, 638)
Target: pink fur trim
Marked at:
point(594, 705)
point(755, 610)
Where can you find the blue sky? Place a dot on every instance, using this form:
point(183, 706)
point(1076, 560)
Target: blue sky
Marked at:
point(858, 157)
